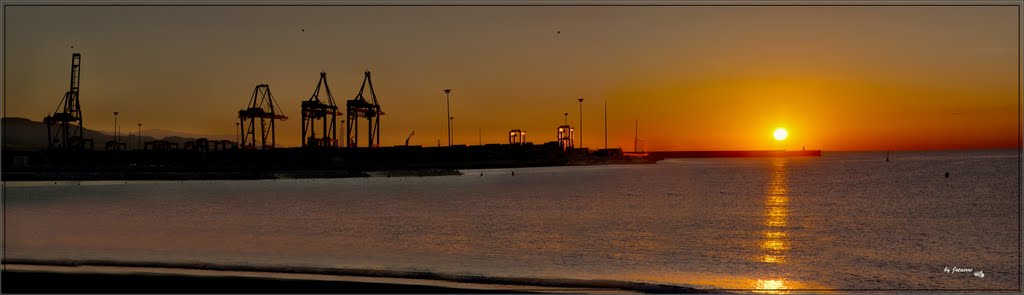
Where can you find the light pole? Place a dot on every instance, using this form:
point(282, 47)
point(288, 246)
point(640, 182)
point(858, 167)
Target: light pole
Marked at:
point(115, 131)
point(448, 107)
point(451, 137)
point(581, 122)
point(139, 137)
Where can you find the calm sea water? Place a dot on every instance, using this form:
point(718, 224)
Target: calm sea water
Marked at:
point(842, 221)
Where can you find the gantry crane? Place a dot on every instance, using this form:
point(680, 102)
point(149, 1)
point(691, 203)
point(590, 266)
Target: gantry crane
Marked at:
point(261, 106)
point(67, 136)
point(359, 107)
point(565, 133)
point(316, 109)
point(516, 137)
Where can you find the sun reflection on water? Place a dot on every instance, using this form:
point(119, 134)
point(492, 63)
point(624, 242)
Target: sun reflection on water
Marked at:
point(776, 216)
point(775, 245)
point(774, 235)
point(775, 242)
point(771, 286)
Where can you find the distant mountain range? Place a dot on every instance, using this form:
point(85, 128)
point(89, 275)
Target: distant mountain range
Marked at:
point(162, 133)
point(20, 134)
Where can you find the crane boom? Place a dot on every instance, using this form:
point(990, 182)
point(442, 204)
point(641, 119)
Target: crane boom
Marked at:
point(408, 137)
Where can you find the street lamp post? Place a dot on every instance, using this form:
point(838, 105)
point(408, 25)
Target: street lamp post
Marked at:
point(115, 131)
point(451, 122)
point(581, 122)
point(448, 107)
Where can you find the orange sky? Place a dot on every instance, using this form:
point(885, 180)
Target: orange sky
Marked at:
point(696, 78)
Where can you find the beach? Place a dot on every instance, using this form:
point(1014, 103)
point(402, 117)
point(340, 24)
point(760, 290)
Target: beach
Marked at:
point(86, 281)
point(844, 221)
point(57, 277)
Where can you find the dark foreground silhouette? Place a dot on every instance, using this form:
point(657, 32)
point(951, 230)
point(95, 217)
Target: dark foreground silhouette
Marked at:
point(54, 282)
point(61, 276)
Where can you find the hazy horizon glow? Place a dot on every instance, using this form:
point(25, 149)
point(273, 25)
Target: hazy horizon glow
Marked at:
point(695, 78)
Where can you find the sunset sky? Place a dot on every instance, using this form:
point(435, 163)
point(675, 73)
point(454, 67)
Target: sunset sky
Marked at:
point(696, 78)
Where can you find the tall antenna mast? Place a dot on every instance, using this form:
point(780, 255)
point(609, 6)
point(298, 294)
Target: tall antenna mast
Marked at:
point(636, 136)
point(606, 124)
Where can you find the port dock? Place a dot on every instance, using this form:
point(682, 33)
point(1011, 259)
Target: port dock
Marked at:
point(70, 153)
point(661, 155)
point(181, 164)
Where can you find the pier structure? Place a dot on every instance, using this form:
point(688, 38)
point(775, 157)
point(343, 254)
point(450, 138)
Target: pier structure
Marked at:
point(661, 155)
point(209, 159)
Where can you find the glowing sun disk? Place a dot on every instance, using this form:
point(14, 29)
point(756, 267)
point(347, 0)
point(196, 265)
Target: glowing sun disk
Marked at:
point(781, 134)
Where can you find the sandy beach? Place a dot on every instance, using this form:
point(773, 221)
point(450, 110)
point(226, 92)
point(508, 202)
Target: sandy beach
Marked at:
point(36, 278)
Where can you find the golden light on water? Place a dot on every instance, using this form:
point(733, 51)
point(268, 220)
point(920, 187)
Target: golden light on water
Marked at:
point(775, 245)
point(775, 241)
point(771, 286)
point(774, 235)
point(777, 197)
point(768, 258)
point(776, 217)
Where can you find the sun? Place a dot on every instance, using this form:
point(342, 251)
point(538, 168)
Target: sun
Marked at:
point(781, 134)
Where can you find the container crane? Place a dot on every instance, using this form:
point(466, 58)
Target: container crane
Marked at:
point(359, 108)
point(409, 137)
point(317, 109)
point(67, 136)
point(261, 106)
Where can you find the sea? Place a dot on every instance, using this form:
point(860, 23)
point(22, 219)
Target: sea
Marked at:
point(845, 221)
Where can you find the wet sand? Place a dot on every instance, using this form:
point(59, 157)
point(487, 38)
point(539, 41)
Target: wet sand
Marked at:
point(55, 282)
point(19, 278)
